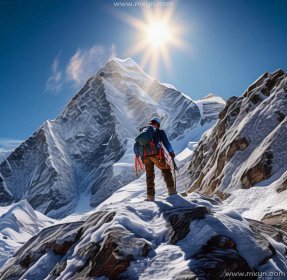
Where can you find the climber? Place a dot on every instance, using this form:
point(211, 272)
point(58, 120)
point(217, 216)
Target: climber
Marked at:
point(148, 147)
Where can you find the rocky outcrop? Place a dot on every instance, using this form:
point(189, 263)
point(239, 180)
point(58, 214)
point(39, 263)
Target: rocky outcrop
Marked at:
point(219, 259)
point(261, 171)
point(108, 257)
point(112, 258)
point(246, 147)
point(55, 241)
point(125, 244)
point(277, 219)
point(220, 251)
point(5, 194)
point(179, 222)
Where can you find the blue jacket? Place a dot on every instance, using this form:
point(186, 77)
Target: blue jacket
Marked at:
point(161, 137)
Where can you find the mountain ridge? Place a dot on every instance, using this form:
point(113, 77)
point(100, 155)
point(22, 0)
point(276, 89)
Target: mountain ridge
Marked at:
point(175, 237)
point(241, 158)
point(76, 153)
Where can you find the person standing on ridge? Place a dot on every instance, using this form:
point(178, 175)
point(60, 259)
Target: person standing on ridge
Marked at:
point(148, 146)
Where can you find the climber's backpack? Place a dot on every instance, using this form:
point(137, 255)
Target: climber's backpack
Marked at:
point(148, 142)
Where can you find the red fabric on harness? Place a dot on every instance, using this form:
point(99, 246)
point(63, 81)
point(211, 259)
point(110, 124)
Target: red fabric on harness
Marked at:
point(136, 166)
point(160, 153)
point(140, 164)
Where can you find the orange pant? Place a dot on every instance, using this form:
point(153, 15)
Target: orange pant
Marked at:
point(149, 163)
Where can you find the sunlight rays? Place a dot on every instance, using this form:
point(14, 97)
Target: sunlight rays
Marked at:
point(156, 34)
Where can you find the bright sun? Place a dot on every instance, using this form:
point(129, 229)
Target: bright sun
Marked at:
point(157, 33)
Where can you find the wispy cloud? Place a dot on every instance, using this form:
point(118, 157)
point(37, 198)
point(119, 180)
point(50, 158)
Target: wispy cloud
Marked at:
point(86, 62)
point(8, 144)
point(83, 64)
point(56, 79)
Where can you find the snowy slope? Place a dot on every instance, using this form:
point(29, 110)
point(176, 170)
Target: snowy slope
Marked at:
point(85, 156)
point(243, 158)
point(173, 238)
point(18, 223)
point(79, 156)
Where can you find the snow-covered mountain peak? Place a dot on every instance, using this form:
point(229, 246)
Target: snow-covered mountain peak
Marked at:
point(126, 69)
point(209, 106)
point(126, 63)
point(210, 95)
point(213, 97)
point(75, 157)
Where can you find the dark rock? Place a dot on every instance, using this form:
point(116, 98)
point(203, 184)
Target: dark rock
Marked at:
point(239, 144)
point(180, 221)
point(60, 249)
point(25, 262)
point(281, 116)
point(277, 219)
point(109, 257)
point(59, 268)
point(261, 171)
point(221, 242)
point(207, 149)
point(39, 245)
point(222, 195)
point(218, 258)
point(112, 259)
point(261, 228)
point(282, 187)
point(5, 196)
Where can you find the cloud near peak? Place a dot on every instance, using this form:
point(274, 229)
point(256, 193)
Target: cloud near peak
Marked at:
point(83, 64)
point(8, 144)
point(55, 81)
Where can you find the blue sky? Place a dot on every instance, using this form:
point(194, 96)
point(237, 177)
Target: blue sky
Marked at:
point(231, 44)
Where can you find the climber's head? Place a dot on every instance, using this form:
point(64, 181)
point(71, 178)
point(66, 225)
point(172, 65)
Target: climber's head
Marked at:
point(155, 122)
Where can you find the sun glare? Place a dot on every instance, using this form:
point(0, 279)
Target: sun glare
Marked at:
point(156, 34)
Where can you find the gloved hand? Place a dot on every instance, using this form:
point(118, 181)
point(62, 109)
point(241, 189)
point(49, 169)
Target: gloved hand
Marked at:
point(172, 155)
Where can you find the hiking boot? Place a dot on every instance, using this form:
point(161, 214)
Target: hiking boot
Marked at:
point(150, 198)
point(171, 193)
